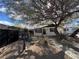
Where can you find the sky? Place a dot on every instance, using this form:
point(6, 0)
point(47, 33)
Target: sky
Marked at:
point(4, 17)
point(3, 7)
point(6, 20)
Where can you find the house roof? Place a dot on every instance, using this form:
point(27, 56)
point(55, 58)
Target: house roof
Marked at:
point(42, 24)
point(2, 26)
point(50, 25)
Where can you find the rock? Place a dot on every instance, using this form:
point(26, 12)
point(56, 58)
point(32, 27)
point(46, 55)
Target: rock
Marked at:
point(32, 57)
point(56, 49)
point(36, 49)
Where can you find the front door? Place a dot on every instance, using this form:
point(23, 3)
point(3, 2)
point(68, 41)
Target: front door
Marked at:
point(44, 32)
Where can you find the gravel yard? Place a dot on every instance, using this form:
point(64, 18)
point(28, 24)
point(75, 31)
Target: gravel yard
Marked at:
point(31, 52)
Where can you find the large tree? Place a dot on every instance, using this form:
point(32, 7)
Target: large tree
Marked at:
point(38, 10)
point(55, 10)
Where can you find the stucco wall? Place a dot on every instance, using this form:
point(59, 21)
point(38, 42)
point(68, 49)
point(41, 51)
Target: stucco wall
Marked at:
point(48, 33)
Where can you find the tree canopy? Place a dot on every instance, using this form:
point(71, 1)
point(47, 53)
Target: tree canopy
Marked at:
point(40, 10)
point(55, 10)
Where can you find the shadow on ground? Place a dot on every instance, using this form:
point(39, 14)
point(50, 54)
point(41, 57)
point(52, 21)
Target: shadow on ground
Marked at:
point(32, 55)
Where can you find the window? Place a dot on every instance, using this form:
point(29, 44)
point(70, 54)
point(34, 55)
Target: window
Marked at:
point(38, 30)
point(51, 29)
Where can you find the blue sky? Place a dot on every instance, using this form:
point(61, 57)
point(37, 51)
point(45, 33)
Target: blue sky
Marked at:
point(4, 18)
point(3, 7)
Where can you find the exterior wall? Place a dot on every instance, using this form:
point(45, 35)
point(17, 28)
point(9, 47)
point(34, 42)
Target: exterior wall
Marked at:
point(37, 34)
point(48, 33)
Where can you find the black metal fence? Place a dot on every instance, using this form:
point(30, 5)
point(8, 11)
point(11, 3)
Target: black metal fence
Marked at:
point(8, 36)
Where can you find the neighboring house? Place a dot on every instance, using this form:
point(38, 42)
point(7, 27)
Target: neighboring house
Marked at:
point(47, 31)
point(3, 26)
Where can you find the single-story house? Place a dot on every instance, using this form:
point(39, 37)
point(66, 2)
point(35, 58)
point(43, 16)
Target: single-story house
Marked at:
point(46, 30)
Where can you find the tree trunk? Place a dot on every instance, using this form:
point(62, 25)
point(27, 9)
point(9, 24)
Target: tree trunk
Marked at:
point(59, 36)
point(57, 33)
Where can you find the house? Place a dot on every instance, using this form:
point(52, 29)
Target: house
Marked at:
point(3, 26)
point(6, 27)
point(47, 31)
